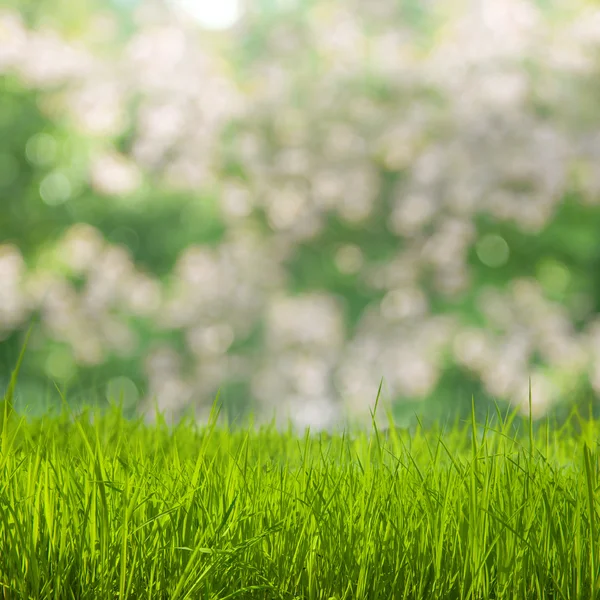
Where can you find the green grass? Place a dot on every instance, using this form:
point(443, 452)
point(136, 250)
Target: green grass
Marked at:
point(118, 509)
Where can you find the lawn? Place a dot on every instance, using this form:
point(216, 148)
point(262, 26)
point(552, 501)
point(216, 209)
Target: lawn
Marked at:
point(113, 508)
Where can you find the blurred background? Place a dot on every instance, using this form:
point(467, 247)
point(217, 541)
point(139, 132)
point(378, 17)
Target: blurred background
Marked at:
point(289, 200)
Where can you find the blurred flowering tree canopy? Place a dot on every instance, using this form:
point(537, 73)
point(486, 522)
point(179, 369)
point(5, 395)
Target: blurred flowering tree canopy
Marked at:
point(321, 196)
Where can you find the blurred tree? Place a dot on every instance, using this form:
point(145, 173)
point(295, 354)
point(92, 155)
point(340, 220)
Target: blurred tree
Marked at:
point(327, 194)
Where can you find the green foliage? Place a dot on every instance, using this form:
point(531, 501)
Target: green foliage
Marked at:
point(157, 225)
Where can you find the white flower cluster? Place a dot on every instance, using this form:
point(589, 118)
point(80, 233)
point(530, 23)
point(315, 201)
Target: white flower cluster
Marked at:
point(491, 114)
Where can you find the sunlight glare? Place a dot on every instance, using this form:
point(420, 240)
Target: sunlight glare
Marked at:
point(211, 14)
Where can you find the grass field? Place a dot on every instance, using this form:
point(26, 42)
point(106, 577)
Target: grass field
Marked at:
point(119, 509)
